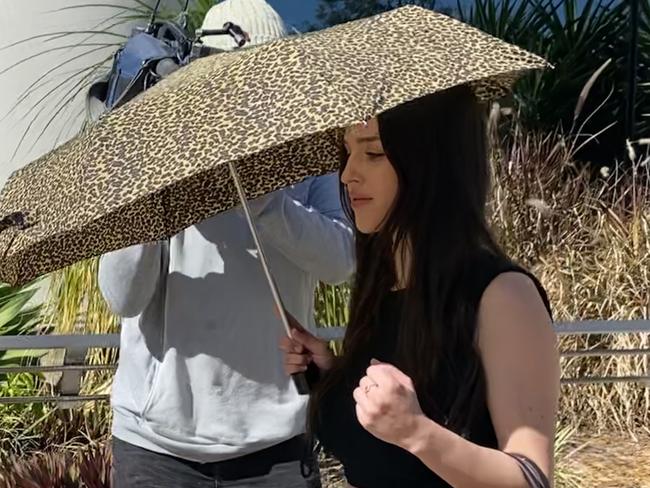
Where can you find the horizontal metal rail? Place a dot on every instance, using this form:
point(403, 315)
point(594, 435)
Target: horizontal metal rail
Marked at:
point(56, 368)
point(52, 341)
point(69, 341)
point(604, 352)
point(56, 341)
point(594, 380)
point(53, 399)
point(585, 327)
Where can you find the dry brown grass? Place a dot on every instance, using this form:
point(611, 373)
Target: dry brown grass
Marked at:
point(610, 461)
point(587, 237)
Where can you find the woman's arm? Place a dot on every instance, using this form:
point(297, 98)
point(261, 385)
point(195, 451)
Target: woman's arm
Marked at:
point(519, 353)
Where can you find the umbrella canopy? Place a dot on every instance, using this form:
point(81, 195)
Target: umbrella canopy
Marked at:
point(160, 163)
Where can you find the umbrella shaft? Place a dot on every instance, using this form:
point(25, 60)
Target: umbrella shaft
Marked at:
point(260, 249)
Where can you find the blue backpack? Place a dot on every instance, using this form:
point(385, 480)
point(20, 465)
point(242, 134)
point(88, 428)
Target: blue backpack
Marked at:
point(152, 53)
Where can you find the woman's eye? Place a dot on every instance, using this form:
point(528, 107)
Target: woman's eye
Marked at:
point(373, 155)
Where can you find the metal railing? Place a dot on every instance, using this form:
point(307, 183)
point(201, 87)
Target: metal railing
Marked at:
point(600, 327)
point(76, 347)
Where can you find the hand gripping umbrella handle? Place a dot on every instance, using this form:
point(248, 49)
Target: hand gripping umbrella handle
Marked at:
point(299, 379)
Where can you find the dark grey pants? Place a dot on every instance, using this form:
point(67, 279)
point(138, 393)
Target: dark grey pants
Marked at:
point(135, 467)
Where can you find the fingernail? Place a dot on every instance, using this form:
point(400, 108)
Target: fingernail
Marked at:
point(374, 361)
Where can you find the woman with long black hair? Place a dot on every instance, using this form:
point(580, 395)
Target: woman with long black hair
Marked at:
point(450, 372)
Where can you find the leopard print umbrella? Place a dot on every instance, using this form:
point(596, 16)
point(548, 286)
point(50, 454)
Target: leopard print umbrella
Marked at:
point(159, 163)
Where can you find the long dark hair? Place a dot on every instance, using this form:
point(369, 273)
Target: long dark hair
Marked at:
point(438, 147)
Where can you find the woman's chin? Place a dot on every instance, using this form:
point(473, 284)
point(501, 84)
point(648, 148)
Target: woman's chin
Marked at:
point(365, 227)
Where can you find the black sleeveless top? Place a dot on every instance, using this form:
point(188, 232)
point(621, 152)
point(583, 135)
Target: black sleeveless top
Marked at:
point(369, 462)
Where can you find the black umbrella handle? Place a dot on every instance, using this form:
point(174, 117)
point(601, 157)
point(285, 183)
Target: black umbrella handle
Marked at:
point(300, 380)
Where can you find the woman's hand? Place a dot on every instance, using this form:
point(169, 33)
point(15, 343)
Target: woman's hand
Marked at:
point(303, 348)
point(387, 405)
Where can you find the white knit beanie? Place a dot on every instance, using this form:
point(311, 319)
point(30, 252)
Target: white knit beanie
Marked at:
point(256, 17)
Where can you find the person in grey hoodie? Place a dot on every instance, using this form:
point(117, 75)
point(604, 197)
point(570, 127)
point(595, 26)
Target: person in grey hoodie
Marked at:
point(200, 398)
point(200, 394)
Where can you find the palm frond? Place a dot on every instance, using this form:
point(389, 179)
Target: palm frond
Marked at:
point(57, 35)
point(101, 45)
point(59, 107)
point(50, 80)
point(42, 82)
point(143, 7)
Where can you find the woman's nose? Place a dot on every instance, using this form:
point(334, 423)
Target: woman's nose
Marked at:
point(350, 173)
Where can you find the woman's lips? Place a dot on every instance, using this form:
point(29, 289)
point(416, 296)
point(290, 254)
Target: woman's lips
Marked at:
point(358, 202)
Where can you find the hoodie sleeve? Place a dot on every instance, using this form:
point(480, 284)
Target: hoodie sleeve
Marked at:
point(307, 225)
point(128, 277)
